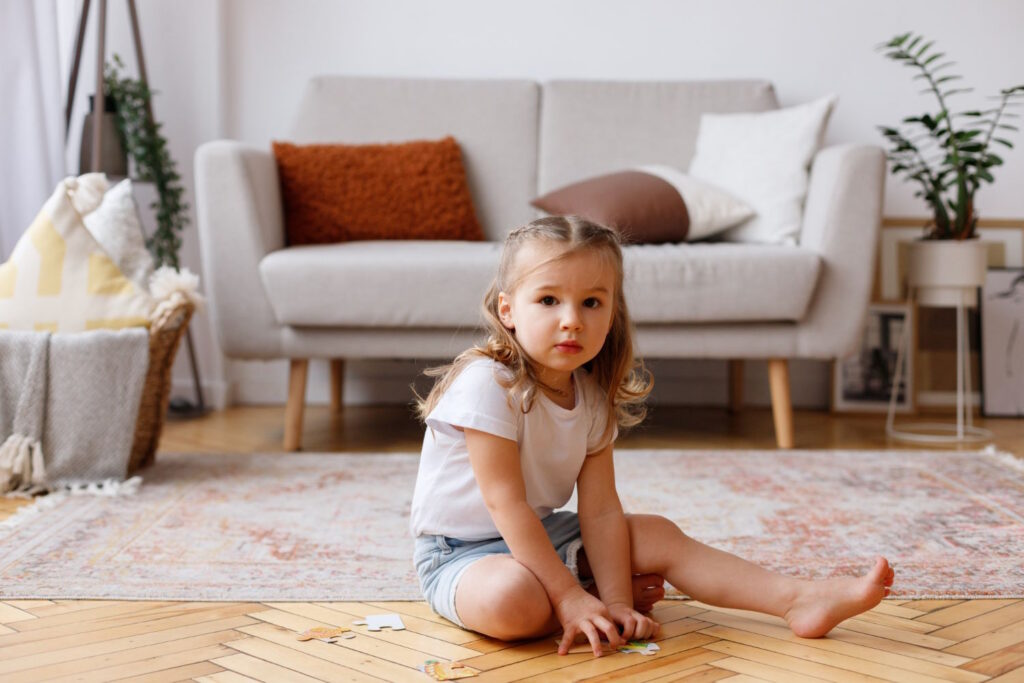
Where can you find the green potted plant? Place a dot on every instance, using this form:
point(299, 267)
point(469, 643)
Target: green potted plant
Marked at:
point(949, 154)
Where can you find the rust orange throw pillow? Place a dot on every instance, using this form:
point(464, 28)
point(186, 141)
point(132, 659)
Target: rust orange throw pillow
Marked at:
point(410, 190)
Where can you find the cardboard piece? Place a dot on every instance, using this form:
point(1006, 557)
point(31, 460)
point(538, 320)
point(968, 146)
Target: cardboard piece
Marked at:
point(375, 622)
point(447, 671)
point(323, 633)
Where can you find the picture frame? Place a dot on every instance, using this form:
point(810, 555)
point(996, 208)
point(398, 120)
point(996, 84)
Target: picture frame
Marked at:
point(1002, 342)
point(862, 381)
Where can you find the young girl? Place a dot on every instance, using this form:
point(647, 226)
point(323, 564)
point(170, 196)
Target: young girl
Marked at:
point(515, 424)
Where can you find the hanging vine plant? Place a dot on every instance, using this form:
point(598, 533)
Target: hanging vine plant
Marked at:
point(148, 150)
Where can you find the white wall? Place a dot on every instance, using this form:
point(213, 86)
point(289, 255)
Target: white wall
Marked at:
point(235, 68)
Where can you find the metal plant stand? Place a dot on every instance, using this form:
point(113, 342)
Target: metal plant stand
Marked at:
point(964, 430)
point(178, 407)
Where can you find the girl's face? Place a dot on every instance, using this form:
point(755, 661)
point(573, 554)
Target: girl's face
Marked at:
point(561, 311)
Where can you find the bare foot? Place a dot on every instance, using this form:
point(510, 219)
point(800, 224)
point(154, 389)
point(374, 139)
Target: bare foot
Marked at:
point(823, 604)
point(647, 590)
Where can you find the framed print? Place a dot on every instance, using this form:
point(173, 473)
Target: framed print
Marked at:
point(863, 381)
point(1002, 340)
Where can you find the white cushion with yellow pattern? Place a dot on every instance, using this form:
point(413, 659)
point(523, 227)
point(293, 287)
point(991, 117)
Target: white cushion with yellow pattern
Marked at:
point(60, 279)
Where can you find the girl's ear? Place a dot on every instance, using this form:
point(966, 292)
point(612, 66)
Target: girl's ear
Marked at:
point(505, 311)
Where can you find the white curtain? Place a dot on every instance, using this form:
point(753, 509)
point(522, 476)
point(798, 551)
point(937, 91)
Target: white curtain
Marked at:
point(31, 114)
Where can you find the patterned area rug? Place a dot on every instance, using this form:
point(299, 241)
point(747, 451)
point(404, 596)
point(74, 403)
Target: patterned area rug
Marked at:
point(334, 527)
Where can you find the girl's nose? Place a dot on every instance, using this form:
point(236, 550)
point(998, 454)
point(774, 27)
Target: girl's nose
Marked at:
point(571, 319)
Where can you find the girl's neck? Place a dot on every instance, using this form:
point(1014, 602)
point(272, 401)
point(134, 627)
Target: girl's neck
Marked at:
point(561, 389)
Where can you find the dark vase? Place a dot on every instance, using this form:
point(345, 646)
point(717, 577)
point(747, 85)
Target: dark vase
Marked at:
point(113, 158)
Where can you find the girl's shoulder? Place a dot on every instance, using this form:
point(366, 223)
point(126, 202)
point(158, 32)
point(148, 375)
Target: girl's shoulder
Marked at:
point(484, 367)
point(482, 374)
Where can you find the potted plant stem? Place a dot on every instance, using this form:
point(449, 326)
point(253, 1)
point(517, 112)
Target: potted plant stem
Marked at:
point(148, 150)
point(949, 154)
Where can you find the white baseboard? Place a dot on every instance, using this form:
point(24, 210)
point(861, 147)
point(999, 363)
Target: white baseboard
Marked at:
point(947, 399)
point(216, 394)
point(677, 382)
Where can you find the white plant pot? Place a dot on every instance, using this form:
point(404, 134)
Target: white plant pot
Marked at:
point(947, 272)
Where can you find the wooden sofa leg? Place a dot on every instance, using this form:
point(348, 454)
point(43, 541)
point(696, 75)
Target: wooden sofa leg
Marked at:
point(296, 404)
point(337, 384)
point(782, 408)
point(735, 386)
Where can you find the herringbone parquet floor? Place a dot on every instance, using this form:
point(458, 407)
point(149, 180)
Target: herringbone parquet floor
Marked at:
point(935, 640)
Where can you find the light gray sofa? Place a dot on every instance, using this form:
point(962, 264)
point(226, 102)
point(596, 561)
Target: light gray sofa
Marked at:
point(417, 299)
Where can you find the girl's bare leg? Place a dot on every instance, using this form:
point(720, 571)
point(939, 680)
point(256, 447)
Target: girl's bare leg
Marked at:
point(812, 608)
point(501, 598)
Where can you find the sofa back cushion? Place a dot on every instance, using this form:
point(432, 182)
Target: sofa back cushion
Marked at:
point(411, 190)
point(494, 121)
point(590, 128)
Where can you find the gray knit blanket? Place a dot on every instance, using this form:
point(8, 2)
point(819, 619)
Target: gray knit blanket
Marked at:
point(68, 405)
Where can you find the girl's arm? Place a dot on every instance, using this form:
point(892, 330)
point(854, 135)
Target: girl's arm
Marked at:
point(499, 475)
point(606, 541)
point(603, 525)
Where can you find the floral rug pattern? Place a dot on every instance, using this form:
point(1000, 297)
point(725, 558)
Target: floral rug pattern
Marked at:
point(329, 527)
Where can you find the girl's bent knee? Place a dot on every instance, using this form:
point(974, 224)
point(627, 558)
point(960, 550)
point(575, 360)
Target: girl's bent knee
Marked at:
point(510, 604)
point(522, 610)
point(652, 525)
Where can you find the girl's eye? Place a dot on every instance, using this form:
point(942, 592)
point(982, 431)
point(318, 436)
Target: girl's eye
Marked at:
point(548, 300)
point(592, 302)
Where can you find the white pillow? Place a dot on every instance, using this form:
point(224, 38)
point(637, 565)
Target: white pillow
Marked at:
point(115, 225)
point(764, 159)
point(710, 208)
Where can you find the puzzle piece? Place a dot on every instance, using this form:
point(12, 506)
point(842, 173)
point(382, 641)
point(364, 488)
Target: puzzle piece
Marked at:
point(375, 622)
point(641, 647)
point(447, 671)
point(323, 633)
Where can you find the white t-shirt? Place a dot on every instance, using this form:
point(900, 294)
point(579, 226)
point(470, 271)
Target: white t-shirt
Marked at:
point(553, 441)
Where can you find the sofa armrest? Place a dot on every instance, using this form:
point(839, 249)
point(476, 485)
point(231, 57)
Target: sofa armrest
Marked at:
point(842, 218)
point(240, 220)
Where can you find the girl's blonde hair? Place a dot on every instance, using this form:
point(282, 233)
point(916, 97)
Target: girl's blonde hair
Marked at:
point(625, 381)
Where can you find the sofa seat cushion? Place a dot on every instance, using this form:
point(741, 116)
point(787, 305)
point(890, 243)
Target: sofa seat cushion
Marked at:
point(374, 283)
point(718, 282)
point(441, 284)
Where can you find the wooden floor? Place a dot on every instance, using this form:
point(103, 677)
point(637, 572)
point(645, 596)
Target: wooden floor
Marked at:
point(933, 640)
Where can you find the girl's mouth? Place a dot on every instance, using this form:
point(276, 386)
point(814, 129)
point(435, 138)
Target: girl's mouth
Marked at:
point(569, 347)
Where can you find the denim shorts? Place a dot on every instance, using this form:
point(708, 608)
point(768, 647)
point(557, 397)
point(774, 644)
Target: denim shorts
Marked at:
point(441, 560)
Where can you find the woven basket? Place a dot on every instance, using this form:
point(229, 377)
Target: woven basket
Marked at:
point(167, 326)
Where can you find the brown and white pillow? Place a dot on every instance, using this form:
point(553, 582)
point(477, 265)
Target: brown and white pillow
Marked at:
point(649, 204)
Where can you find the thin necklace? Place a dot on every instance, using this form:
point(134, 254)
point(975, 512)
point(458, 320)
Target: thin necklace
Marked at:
point(564, 393)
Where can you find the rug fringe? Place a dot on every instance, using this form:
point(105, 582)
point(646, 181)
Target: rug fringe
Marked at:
point(59, 492)
point(107, 487)
point(1002, 457)
point(27, 512)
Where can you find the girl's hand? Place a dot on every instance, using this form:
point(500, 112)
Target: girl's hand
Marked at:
point(635, 626)
point(580, 613)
